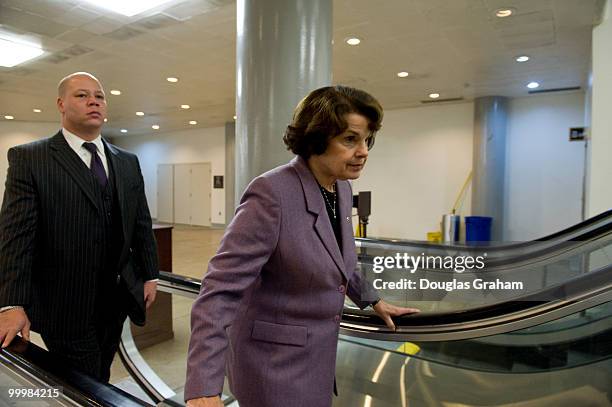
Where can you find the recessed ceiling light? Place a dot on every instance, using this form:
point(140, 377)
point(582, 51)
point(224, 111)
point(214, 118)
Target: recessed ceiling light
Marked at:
point(402, 74)
point(434, 95)
point(123, 131)
point(9, 117)
point(128, 8)
point(353, 41)
point(115, 92)
point(15, 53)
point(522, 58)
point(235, 117)
point(172, 79)
point(105, 120)
point(504, 12)
point(193, 122)
point(155, 127)
point(139, 113)
point(533, 85)
point(36, 110)
point(185, 106)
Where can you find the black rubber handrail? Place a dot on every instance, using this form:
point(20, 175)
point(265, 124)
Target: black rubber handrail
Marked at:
point(56, 372)
point(574, 295)
point(589, 236)
point(604, 217)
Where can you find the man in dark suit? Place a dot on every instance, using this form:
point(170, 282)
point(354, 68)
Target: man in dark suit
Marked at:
point(77, 252)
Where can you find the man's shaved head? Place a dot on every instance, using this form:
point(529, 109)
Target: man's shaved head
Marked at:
point(82, 104)
point(61, 86)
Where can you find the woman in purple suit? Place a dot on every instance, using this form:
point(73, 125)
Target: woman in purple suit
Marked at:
point(271, 302)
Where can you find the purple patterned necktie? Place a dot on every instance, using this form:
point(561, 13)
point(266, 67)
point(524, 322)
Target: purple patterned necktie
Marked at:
point(96, 164)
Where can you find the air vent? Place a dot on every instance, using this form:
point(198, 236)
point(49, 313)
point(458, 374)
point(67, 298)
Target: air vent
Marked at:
point(186, 10)
point(56, 58)
point(123, 33)
point(66, 54)
point(76, 50)
point(221, 3)
point(442, 100)
point(156, 21)
point(555, 90)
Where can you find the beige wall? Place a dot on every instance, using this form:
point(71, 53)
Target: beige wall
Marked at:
point(420, 161)
point(181, 147)
point(13, 133)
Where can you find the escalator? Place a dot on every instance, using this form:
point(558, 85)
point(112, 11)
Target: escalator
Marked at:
point(538, 269)
point(33, 377)
point(591, 226)
point(590, 229)
point(548, 345)
point(534, 355)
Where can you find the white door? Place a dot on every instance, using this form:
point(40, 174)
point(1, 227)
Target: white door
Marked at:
point(200, 194)
point(165, 193)
point(182, 194)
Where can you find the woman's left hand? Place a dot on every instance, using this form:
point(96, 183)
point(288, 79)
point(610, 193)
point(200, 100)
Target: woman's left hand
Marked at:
point(386, 311)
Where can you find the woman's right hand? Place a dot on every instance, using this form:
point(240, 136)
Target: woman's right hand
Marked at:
point(214, 401)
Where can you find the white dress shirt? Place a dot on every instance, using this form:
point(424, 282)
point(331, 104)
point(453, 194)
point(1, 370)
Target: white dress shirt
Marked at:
point(76, 143)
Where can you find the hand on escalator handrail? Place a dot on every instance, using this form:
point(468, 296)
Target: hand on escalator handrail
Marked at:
point(387, 311)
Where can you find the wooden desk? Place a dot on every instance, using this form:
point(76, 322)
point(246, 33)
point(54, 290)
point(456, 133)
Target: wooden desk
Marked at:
point(159, 316)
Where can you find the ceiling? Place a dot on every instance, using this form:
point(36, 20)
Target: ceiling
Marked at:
point(456, 48)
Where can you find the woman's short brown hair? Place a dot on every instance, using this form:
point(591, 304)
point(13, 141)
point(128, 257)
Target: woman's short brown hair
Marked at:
point(320, 116)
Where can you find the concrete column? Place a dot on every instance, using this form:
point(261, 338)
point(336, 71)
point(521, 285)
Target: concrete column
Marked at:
point(283, 51)
point(599, 165)
point(489, 160)
point(230, 170)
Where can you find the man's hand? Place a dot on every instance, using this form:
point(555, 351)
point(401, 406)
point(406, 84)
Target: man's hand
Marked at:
point(214, 401)
point(150, 291)
point(13, 322)
point(386, 311)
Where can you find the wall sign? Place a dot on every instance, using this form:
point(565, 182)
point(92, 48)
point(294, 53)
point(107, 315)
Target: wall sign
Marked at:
point(217, 181)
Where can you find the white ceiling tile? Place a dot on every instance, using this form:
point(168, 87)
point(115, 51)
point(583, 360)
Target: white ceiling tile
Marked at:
point(26, 21)
point(44, 8)
point(77, 17)
point(102, 25)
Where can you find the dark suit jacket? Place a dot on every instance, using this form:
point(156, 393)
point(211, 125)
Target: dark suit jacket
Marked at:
point(51, 229)
point(278, 282)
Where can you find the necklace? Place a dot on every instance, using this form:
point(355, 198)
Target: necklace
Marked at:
point(326, 197)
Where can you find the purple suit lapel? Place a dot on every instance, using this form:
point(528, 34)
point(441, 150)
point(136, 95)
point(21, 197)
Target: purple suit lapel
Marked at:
point(316, 206)
point(346, 226)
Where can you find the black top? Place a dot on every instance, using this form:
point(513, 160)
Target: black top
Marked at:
point(333, 212)
point(331, 201)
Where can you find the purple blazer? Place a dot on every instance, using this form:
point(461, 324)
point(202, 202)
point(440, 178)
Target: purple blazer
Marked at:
point(272, 299)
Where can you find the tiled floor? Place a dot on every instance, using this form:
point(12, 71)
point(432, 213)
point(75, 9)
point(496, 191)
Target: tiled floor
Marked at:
point(192, 248)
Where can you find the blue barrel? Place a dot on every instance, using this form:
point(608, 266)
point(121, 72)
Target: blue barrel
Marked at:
point(478, 228)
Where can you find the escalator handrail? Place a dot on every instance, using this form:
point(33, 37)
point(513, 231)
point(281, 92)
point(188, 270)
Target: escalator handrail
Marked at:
point(574, 295)
point(139, 369)
point(495, 263)
point(55, 372)
point(389, 244)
